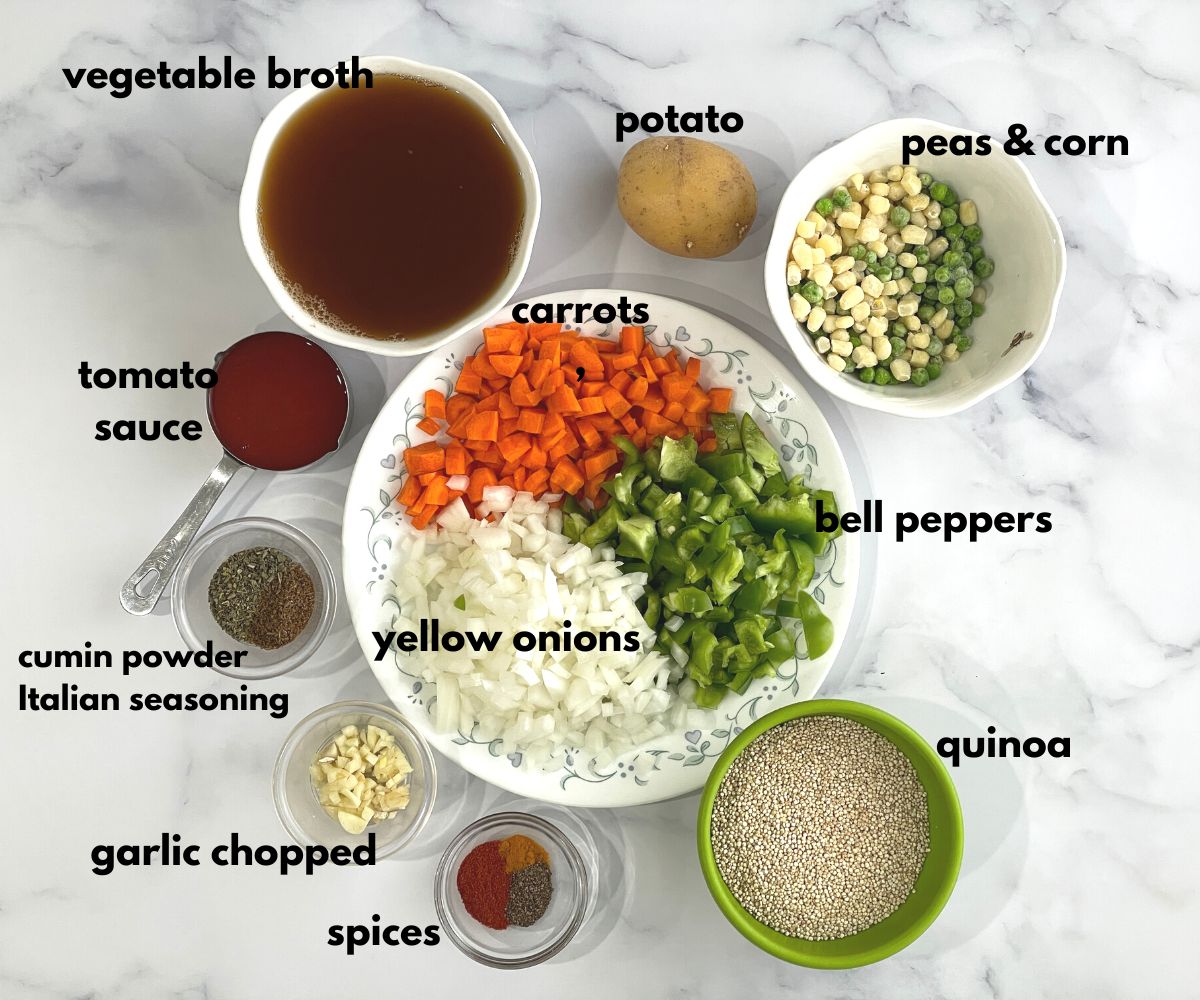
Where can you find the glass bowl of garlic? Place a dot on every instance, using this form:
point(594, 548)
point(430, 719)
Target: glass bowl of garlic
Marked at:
point(354, 769)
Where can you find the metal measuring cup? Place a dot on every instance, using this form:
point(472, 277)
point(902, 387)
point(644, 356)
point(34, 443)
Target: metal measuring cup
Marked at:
point(140, 593)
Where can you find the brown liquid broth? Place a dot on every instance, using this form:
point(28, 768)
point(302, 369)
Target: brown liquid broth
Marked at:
point(391, 212)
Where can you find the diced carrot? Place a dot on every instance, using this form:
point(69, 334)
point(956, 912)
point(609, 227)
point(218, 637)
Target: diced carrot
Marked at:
point(456, 406)
point(591, 405)
point(505, 364)
point(408, 492)
point(530, 421)
point(587, 431)
point(674, 411)
point(633, 339)
point(620, 381)
point(566, 476)
point(508, 409)
point(637, 390)
point(469, 384)
point(626, 359)
point(615, 403)
point(709, 445)
point(563, 400)
point(428, 457)
point(422, 519)
point(595, 464)
point(428, 425)
point(435, 404)
point(720, 399)
point(484, 426)
point(456, 460)
point(513, 446)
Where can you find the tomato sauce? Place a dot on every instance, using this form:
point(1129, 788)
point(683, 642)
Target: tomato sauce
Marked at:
point(280, 401)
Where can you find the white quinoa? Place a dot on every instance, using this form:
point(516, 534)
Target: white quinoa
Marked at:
point(820, 828)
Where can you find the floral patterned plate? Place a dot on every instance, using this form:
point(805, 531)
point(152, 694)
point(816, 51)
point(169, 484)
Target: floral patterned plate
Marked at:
point(673, 764)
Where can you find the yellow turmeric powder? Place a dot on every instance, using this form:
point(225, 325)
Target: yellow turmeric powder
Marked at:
point(519, 852)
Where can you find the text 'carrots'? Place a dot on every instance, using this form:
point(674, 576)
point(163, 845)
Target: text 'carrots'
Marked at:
point(537, 409)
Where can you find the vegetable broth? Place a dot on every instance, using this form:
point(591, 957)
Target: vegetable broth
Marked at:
point(391, 212)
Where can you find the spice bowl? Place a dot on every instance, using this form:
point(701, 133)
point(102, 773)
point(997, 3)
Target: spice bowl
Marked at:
point(194, 617)
point(516, 947)
point(934, 883)
point(295, 794)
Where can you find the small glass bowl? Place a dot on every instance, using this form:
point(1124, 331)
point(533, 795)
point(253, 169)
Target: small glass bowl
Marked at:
point(296, 801)
point(189, 595)
point(515, 947)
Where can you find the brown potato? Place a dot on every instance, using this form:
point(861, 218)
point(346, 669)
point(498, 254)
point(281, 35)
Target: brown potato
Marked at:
point(688, 197)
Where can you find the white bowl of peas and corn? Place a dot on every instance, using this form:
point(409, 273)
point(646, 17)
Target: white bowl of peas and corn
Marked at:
point(918, 288)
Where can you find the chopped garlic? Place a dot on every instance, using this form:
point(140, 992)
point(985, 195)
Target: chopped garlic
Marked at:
point(357, 777)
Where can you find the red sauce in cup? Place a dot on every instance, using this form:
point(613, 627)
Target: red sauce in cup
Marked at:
point(280, 401)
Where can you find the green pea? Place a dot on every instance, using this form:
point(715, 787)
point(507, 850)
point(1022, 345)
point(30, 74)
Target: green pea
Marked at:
point(951, 258)
point(961, 271)
point(867, 375)
point(963, 342)
point(898, 329)
point(934, 368)
point(899, 216)
point(824, 206)
point(858, 251)
point(962, 309)
point(919, 377)
point(871, 257)
point(812, 292)
point(935, 347)
point(976, 252)
point(883, 376)
point(841, 197)
point(922, 254)
point(939, 192)
point(949, 217)
point(985, 267)
point(850, 368)
point(977, 309)
point(918, 287)
point(926, 179)
point(888, 260)
point(925, 312)
point(882, 273)
point(953, 232)
point(972, 234)
point(960, 245)
point(855, 340)
point(942, 274)
point(963, 287)
point(965, 322)
point(930, 294)
point(898, 344)
point(945, 295)
point(793, 289)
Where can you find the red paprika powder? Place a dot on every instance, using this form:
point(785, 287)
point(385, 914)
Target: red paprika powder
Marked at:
point(483, 885)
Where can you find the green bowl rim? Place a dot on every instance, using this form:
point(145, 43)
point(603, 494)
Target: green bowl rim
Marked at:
point(753, 929)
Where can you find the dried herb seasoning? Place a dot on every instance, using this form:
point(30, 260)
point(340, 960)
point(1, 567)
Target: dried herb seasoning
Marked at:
point(261, 597)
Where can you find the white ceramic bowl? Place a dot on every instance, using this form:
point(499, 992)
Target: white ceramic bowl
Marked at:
point(1020, 233)
point(248, 211)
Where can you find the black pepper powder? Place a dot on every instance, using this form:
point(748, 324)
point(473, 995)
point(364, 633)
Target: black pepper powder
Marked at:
point(529, 895)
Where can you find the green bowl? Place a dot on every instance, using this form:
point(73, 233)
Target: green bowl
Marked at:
point(934, 884)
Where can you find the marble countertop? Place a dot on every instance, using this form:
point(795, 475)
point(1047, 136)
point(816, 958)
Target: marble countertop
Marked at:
point(119, 244)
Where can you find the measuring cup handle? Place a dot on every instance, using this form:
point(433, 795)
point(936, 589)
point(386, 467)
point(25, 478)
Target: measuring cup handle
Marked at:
point(166, 555)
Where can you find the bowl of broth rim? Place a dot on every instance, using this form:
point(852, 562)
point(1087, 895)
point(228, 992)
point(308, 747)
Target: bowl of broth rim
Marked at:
point(394, 218)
